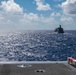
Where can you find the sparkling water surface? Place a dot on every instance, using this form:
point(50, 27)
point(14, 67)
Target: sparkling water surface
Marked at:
point(41, 45)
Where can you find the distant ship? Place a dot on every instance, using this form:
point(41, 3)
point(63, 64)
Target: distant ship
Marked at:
point(59, 29)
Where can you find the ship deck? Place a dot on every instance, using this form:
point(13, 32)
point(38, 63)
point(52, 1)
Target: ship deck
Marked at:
point(36, 68)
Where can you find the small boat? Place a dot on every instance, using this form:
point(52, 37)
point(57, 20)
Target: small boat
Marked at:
point(71, 61)
point(59, 29)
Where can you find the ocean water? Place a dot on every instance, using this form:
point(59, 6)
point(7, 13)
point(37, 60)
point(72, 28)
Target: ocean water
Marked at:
point(39, 45)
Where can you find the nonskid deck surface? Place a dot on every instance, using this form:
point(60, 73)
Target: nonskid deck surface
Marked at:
point(37, 68)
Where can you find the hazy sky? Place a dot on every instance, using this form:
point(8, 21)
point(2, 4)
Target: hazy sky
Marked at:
point(37, 14)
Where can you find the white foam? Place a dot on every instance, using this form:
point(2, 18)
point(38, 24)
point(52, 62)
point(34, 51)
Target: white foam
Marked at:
point(31, 62)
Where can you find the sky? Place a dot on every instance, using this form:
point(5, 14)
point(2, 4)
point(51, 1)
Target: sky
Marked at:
point(37, 14)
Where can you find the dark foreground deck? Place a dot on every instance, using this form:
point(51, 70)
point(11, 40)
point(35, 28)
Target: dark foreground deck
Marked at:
point(37, 69)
